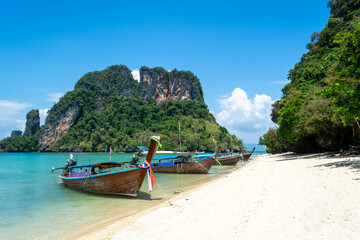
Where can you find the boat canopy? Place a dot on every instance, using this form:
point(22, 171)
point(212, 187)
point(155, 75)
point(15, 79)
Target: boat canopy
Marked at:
point(107, 164)
point(204, 155)
point(81, 166)
point(101, 165)
point(168, 157)
point(225, 155)
point(143, 148)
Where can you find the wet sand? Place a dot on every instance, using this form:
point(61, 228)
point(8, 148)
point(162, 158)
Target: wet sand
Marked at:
point(274, 197)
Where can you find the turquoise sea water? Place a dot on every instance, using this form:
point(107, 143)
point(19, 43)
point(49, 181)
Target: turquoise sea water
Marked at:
point(259, 149)
point(33, 205)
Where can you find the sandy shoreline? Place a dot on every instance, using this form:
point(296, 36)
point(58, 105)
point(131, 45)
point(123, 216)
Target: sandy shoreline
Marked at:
point(114, 223)
point(274, 197)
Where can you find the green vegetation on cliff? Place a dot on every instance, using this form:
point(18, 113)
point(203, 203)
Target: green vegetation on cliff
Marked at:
point(125, 123)
point(320, 107)
point(114, 113)
point(21, 143)
point(110, 108)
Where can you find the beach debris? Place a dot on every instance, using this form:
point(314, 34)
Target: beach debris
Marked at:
point(352, 150)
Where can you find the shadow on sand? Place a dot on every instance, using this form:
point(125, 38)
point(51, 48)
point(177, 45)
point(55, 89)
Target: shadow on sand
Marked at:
point(147, 196)
point(325, 155)
point(349, 163)
point(293, 157)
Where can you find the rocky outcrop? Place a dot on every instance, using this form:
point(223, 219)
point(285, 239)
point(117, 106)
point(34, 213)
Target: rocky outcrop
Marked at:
point(101, 86)
point(55, 129)
point(16, 133)
point(32, 123)
point(161, 85)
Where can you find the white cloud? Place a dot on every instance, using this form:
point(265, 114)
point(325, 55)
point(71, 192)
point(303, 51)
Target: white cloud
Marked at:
point(54, 97)
point(21, 124)
point(12, 116)
point(136, 74)
point(12, 107)
point(43, 113)
point(9, 111)
point(247, 118)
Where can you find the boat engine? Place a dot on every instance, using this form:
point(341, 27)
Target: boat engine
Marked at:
point(69, 163)
point(187, 158)
point(135, 161)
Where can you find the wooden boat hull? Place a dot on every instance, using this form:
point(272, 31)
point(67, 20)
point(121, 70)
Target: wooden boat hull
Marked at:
point(228, 160)
point(196, 167)
point(124, 183)
point(246, 157)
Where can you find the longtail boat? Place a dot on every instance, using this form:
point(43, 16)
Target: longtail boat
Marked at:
point(246, 156)
point(198, 164)
point(106, 177)
point(228, 159)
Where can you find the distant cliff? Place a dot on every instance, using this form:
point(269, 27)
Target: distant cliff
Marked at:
point(96, 90)
point(32, 123)
point(56, 127)
point(111, 108)
point(27, 142)
point(161, 85)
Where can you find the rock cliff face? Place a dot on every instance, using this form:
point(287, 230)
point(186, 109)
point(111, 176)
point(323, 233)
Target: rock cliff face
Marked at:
point(161, 85)
point(32, 123)
point(155, 83)
point(55, 129)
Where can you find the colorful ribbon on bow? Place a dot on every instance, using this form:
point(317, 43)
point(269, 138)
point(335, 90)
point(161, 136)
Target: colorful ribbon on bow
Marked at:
point(151, 178)
point(218, 162)
point(159, 144)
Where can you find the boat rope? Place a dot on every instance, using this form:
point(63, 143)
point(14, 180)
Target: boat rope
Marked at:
point(204, 167)
point(83, 186)
point(178, 170)
point(164, 194)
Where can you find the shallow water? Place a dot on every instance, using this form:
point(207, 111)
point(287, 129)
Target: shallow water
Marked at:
point(34, 206)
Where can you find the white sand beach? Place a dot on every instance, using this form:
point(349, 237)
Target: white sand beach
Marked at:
point(274, 197)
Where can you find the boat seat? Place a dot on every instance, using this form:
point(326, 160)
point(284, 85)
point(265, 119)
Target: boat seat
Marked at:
point(79, 174)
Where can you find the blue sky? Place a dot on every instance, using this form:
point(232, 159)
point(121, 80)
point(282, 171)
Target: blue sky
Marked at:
point(241, 51)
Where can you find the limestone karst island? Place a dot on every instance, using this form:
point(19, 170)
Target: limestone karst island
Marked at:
point(111, 108)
